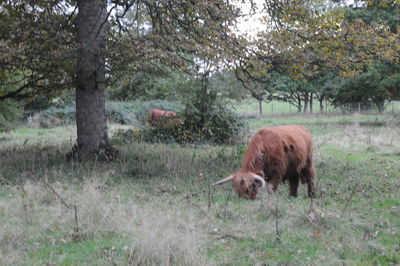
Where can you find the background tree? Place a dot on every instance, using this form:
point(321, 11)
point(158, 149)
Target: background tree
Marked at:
point(286, 49)
point(167, 30)
point(44, 48)
point(91, 122)
point(305, 39)
point(225, 82)
point(258, 87)
point(376, 86)
point(152, 80)
point(378, 82)
point(10, 112)
point(288, 90)
point(37, 43)
point(324, 85)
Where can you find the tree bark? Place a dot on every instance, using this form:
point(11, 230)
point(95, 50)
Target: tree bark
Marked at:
point(91, 120)
point(298, 104)
point(311, 102)
point(306, 102)
point(259, 113)
point(321, 105)
point(380, 104)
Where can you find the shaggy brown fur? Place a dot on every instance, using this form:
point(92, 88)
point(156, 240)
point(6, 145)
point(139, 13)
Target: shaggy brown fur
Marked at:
point(278, 154)
point(158, 116)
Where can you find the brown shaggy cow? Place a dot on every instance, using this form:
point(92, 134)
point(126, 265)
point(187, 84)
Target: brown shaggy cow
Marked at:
point(274, 155)
point(158, 116)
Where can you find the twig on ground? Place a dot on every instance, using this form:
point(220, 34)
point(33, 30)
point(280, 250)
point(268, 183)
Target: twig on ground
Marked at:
point(210, 193)
point(222, 236)
point(226, 203)
point(353, 191)
point(76, 229)
point(345, 167)
point(198, 207)
point(17, 238)
point(277, 233)
point(5, 180)
point(57, 195)
point(194, 156)
point(24, 205)
point(76, 235)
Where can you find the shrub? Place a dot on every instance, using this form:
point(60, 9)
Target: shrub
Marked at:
point(149, 80)
point(142, 108)
point(149, 134)
point(217, 125)
point(220, 125)
point(10, 113)
point(36, 104)
point(52, 117)
point(121, 112)
point(125, 113)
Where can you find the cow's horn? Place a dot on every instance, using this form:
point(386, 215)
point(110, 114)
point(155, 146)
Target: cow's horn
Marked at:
point(222, 181)
point(263, 183)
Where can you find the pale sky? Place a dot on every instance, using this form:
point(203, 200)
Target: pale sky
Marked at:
point(252, 24)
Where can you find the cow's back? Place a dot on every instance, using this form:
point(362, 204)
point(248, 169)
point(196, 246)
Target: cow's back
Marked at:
point(157, 116)
point(277, 149)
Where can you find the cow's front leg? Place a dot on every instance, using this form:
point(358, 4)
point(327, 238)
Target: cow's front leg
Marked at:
point(272, 185)
point(294, 184)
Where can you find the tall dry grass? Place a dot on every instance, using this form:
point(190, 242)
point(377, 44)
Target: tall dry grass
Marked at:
point(152, 207)
point(162, 231)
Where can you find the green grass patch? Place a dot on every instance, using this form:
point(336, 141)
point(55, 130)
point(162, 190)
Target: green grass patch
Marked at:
point(153, 204)
point(78, 253)
point(250, 107)
point(387, 204)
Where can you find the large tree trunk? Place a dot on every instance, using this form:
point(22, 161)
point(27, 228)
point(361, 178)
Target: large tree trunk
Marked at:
point(91, 120)
point(311, 102)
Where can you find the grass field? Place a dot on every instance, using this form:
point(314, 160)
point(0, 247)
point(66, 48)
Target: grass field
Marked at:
point(154, 205)
point(249, 107)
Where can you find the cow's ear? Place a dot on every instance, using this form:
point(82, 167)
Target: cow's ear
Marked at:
point(285, 148)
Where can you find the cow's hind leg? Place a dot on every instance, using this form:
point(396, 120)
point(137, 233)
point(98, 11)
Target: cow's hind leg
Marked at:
point(311, 182)
point(309, 174)
point(294, 184)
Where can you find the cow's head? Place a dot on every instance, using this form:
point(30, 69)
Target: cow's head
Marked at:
point(246, 184)
point(169, 113)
